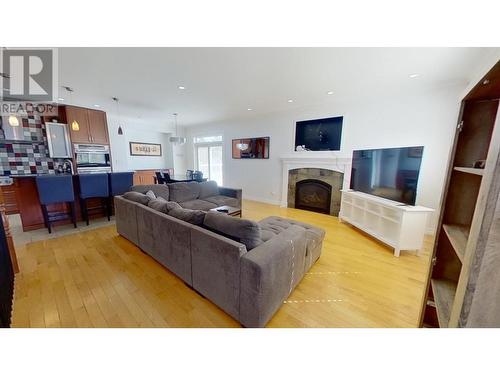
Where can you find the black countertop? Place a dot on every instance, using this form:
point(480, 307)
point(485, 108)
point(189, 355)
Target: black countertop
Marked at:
point(32, 175)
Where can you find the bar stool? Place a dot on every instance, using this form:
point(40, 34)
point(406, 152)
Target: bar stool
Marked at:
point(94, 186)
point(119, 183)
point(56, 189)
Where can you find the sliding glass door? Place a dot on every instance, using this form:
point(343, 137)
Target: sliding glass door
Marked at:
point(209, 160)
point(215, 163)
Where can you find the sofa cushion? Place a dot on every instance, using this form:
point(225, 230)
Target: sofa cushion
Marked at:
point(135, 196)
point(266, 235)
point(172, 205)
point(159, 204)
point(222, 200)
point(271, 228)
point(244, 231)
point(278, 224)
point(274, 225)
point(158, 189)
point(195, 217)
point(184, 191)
point(198, 204)
point(208, 189)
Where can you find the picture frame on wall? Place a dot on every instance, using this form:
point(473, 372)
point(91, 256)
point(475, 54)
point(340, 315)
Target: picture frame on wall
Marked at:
point(145, 149)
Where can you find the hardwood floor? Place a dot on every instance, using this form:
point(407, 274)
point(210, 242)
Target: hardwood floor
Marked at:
point(99, 279)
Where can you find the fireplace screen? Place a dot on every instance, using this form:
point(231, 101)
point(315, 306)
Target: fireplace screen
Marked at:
point(313, 195)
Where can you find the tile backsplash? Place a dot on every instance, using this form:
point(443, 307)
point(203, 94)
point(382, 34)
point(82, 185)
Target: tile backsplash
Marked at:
point(30, 156)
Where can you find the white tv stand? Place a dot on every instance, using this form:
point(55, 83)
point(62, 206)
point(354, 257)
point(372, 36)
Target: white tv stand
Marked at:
point(399, 226)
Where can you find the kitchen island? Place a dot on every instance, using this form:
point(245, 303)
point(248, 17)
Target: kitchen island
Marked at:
point(30, 210)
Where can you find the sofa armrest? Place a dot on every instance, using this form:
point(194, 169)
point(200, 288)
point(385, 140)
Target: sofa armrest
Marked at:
point(126, 218)
point(233, 193)
point(268, 275)
point(230, 192)
point(215, 268)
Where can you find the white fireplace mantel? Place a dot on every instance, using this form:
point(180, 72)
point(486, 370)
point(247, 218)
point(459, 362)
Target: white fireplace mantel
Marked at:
point(314, 159)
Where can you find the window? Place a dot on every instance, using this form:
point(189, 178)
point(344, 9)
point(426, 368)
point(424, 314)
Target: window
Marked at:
point(208, 139)
point(208, 153)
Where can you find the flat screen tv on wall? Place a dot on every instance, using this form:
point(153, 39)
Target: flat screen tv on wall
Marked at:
point(251, 148)
point(390, 173)
point(319, 135)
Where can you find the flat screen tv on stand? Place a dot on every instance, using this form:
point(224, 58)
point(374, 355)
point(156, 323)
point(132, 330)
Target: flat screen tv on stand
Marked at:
point(390, 173)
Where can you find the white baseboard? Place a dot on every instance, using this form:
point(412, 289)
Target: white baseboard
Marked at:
point(262, 200)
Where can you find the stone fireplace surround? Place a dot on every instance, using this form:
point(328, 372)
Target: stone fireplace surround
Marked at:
point(299, 166)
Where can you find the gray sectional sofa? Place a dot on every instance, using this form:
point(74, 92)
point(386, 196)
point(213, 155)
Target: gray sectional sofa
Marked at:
point(246, 268)
point(195, 195)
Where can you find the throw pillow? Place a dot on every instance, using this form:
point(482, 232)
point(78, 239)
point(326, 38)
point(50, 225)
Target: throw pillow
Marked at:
point(195, 217)
point(160, 190)
point(172, 206)
point(247, 232)
point(137, 197)
point(150, 194)
point(158, 204)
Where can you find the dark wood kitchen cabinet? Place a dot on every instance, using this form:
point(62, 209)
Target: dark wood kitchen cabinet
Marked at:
point(98, 127)
point(93, 127)
point(10, 199)
point(80, 115)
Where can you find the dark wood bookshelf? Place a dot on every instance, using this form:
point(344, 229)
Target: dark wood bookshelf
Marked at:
point(466, 208)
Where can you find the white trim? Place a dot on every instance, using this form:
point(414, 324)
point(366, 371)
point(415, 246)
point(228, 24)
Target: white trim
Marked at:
point(331, 160)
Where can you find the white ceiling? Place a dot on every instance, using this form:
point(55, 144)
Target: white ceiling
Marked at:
point(222, 83)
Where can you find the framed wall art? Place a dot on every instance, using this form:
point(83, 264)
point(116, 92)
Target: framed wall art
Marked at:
point(145, 149)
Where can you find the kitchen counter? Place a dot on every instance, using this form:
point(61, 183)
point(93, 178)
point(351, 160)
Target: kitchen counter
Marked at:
point(8, 180)
point(40, 174)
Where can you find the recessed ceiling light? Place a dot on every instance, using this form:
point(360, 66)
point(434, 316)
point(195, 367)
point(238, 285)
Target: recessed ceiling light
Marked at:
point(249, 109)
point(60, 99)
point(330, 92)
point(181, 87)
point(414, 75)
point(290, 100)
point(96, 105)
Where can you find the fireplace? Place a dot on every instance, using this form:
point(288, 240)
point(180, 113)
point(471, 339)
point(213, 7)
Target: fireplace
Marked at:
point(315, 189)
point(313, 195)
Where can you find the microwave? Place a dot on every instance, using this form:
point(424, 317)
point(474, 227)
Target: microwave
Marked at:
point(91, 158)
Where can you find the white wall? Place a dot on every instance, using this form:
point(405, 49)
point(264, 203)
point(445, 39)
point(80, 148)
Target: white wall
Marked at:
point(426, 119)
point(179, 155)
point(120, 152)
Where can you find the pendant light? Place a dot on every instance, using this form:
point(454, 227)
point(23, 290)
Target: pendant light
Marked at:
point(13, 120)
point(75, 126)
point(177, 140)
point(120, 130)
